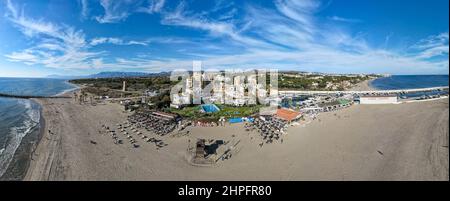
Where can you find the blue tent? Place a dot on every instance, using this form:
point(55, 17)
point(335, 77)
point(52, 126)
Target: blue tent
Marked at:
point(235, 120)
point(210, 108)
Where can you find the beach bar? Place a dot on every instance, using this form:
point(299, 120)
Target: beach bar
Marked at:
point(288, 115)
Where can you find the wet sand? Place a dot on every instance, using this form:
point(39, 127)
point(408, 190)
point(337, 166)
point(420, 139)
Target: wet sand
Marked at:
point(22, 158)
point(364, 142)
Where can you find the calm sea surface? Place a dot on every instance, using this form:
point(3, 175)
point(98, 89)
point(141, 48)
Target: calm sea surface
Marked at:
point(410, 81)
point(19, 117)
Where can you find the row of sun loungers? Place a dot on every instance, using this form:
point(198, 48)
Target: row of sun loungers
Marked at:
point(130, 133)
point(151, 123)
point(269, 129)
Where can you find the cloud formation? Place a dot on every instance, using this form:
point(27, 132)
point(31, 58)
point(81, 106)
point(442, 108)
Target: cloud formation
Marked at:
point(116, 41)
point(291, 37)
point(117, 11)
point(433, 46)
point(287, 36)
point(57, 46)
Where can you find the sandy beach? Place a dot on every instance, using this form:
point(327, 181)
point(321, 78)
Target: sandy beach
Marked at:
point(362, 86)
point(364, 142)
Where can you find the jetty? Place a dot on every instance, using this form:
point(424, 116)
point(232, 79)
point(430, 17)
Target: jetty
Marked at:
point(5, 95)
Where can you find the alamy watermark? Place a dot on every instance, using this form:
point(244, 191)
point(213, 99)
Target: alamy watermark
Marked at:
point(236, 87)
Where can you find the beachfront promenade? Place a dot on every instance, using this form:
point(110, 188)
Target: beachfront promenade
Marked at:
point(281, 93)
point(401, 91)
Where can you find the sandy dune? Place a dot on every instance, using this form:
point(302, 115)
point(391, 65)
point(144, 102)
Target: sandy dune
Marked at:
point(376, 142)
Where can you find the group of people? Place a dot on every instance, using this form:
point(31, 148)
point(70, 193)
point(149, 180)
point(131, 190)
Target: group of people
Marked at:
point(220, 122)
point(153, 123)
point(269, 128)
point(205, 124)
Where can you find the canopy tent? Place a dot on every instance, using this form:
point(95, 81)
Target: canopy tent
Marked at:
point(287, 115)
point(235, 120)
point(210, 108)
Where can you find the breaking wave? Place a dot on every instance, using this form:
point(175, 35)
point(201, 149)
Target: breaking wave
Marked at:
point(30, 121)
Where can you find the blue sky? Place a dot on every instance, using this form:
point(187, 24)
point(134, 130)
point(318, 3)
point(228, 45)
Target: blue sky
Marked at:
point(38, 38)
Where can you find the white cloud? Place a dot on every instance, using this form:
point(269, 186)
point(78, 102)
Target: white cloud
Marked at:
point(154, 6)
point(215, 28)
point(117, 11)
point(291, 37)
point(84, 8)
point(11, 8)
point(229, 15)
point(157, 5)
point(299, 11)
point(58, 47)
point(433, 46)
point(27, 57)
point(432, 41)
point(434, 52)
point(287, 37)
point(116, 41)
point(52, 45)
point(342, 19)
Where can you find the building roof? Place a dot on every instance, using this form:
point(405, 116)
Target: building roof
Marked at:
point(287, 114)
point(378, 95)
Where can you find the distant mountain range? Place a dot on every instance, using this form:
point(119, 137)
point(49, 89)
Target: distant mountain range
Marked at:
point(110, 75)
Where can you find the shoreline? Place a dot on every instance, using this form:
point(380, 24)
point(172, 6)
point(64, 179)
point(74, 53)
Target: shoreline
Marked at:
point(69, 155)
point(53, 161)
point(23, 156)
point(20, 163)
point(364, 86)
point(43, 130)
point(370, 84)
point(48, 149)
point(75, 87)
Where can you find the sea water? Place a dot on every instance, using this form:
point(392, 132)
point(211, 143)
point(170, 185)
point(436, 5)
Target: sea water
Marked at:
point(409, 82)
point(412, 82)
point(19, 117)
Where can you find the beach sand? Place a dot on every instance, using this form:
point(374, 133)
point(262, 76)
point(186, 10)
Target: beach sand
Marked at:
point(362, 86)
point(22, 157)
point(364, 142)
